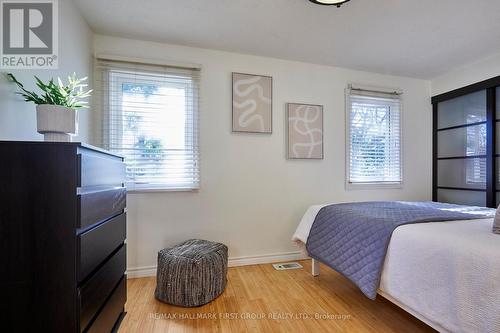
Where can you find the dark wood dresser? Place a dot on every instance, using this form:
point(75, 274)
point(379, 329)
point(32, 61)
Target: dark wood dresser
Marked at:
point(62, 238)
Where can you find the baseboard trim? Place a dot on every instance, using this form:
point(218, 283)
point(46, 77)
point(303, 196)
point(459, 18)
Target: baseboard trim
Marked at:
point(138, 272)
point(145, 271)
point(266, 259)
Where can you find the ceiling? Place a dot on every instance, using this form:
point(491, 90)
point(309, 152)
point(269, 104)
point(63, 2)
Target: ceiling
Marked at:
point(416, 38)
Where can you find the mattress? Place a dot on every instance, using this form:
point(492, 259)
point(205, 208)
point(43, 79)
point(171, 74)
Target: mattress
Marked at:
point(446, 272)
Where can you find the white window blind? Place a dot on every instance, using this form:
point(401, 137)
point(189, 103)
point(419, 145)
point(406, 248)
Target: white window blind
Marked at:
point(374, 137)
point(475, 168)
point(150, 116)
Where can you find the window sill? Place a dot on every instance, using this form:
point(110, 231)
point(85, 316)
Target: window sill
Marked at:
point(159, 190)
point(373, 186)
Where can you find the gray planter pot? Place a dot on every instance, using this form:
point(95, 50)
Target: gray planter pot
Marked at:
point(56, 123)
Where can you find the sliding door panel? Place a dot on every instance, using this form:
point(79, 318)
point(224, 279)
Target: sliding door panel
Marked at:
point(497, 139)
point(497, 173)
point(462, 110)
point(461, 151)
point(497, 147)
point(472, 198)
point(463, 141)
point(467, 173)
point(497, 107)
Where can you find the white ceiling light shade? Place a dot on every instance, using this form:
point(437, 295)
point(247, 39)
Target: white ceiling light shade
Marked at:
point(337, 3)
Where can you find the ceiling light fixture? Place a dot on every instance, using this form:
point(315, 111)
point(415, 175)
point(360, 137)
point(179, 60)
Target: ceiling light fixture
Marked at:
point(337, 3)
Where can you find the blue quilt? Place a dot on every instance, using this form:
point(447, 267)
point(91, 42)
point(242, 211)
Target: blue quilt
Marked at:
point(352, 238)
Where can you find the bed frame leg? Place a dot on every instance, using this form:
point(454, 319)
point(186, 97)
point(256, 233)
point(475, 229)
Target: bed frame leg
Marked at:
point(315, 267)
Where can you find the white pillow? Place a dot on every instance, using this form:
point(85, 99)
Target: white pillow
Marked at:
point(496, 222)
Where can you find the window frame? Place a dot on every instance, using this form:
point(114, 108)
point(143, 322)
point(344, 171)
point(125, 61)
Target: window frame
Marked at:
point(379, 184)
point(190, 140)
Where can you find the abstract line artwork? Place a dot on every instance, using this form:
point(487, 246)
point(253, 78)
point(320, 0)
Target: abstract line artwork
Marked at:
point(252, 103)
point(305, 131)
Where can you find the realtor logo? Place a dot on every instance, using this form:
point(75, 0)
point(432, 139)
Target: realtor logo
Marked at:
point(29, 34)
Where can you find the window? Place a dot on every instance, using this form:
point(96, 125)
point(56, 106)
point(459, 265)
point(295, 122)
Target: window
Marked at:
point(150, 116)
point(374, 138)
point(475, 168)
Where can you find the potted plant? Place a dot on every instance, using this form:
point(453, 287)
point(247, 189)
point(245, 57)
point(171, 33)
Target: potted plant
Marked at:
point(56, 107)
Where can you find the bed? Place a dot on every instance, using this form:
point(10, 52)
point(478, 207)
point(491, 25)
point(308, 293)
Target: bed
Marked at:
point(447, 273)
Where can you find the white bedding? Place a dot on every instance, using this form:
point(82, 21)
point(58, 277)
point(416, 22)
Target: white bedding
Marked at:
point(446, 272)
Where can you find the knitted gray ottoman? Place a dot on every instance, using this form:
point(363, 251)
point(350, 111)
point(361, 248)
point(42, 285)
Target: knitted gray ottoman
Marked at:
point(192, 273)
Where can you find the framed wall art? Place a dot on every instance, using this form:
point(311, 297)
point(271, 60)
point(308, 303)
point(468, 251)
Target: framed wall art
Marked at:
point(252, 103)
point(305, 131)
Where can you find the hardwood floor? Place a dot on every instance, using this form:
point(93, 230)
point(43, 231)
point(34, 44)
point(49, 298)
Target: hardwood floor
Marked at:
point(261, 299)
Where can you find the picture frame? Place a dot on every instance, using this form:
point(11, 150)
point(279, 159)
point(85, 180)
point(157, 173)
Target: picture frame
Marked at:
point(305, 131)
point(252, 103)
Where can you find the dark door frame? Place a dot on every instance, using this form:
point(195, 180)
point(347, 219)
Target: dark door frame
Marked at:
point(490, 86)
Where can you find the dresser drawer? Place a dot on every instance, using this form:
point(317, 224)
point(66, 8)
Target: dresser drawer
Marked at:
point(97, 244)
point(97, 206)
point(95, 291)
point(98, 169)
point(108, 316)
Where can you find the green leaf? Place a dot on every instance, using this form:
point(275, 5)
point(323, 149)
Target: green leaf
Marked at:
point(72, 95)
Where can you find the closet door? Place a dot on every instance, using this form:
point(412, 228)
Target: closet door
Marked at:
point(497, 147)
point(461, 149)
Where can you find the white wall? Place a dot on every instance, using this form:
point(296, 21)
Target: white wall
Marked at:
point(251, 197)
point(471, 73)
point(17, 118)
